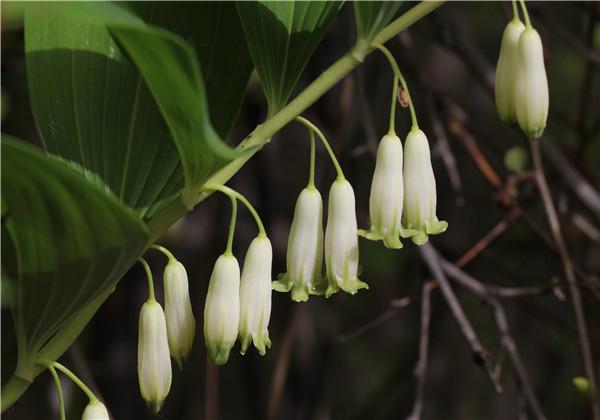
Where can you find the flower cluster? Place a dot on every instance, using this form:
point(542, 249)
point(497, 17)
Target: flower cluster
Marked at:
point(164, 334)
point(307, 246)
point(239, 306)
point(521, 83)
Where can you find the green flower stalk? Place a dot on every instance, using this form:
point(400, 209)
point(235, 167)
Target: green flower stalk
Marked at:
point(222, 309)
point(95, 410)
point(506, 71)
point(341, 240)
point(420, 198)
point(154, 361)
point(181, 325)
point(305, 248)
point(255, 296)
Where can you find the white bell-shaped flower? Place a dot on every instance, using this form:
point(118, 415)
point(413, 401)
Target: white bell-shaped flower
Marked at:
point(305, 249)
point(531, 97)
point(181, 325)
point(95, 410)
point(255, 295)
point(387, 194)
point(341, 240)
point(154, 362)
point(506, 71)
point(419, 189)
point(222, 309)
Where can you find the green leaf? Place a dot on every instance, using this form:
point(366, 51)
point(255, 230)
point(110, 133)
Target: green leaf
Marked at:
point(139, 128)
point(371, 17)
point(69, 242)
point(214, 29)
point(282, 36)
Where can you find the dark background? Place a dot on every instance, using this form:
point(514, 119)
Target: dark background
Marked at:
point(323, 363)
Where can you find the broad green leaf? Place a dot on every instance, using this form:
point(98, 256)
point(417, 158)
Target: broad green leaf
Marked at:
point(214, 29)
point(68, 242)
point(282, 36)
point(371, 17)
point(142, 127)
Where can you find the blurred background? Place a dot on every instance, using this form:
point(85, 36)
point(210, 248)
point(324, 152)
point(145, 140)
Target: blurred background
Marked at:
point(353, 357)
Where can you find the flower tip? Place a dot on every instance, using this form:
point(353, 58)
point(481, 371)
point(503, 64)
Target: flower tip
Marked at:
point(218, 355)
point(155, 406)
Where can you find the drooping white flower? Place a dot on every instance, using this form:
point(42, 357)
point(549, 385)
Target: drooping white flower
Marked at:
point(387, 194)
point(305, 248)
point(506, 71)
point(95, 410)
point(181, 325)
point(154, 362)
point(531, 98)
point(255, 295)
point(222, 309)
point(420, 198)
point(341, 240)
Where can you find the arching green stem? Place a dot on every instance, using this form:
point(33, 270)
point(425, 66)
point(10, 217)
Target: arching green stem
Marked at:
point(525, 14)
point(311, 172)
point(75, 379)
point(233, 194)
point(398, 75)
point(165, 251)
point(59, 391)
point(396, 71)
point(315, 129)
point(149, 277)
point(230, 235)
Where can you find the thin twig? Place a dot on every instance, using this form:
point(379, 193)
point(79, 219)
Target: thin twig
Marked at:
point(421, 366)
point(480, 354)
point(508, 342)
point(281, 369)
point(569, 274)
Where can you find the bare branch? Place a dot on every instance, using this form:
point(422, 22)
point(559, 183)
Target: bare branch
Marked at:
point(570, 276)
point(421, 366)
point(480, 354)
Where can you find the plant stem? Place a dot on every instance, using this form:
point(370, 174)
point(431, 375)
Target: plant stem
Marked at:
point(525, 14)
point(396, 71)
point(569, 274)
point(165, 251)
point(311, 172)
point(233, 194)
point(515, 9)
point(59, 391)
point(263, 133)
point(231, 234)
point(75, 379)
point(151, 296)
point(319, 133)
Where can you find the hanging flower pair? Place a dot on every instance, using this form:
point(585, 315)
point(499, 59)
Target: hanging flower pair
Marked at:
point(403, 192)
point(239, 306)
point(521, 83)
point(307, 245)
point(164, 334)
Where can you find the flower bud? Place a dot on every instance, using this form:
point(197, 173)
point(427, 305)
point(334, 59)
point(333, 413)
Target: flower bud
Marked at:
point(305, 248)
point(419, 189)
point(95, 410)
point(181, 326)
point(387, 194)
point(222, 309)
point(255, 295)
point(531, 97)
point(154, 363)
point(341, 241)
point(506, 71)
